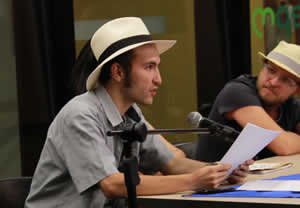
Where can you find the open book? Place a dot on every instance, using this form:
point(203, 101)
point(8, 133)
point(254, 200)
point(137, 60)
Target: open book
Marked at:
point(261, 168)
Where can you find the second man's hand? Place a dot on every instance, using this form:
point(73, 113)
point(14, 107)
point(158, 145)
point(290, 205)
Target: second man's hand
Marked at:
point(239, 175)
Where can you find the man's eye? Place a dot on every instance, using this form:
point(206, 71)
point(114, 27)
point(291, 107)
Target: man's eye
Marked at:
point(149, 67)
point(271, 70)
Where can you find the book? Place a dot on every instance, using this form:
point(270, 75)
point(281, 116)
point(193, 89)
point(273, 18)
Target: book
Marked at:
point(262, 168)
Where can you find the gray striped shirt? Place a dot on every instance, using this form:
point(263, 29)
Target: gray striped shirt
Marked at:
point(78, 154)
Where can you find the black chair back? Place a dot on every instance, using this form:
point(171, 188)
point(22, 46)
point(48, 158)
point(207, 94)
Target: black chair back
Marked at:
point(13, 191)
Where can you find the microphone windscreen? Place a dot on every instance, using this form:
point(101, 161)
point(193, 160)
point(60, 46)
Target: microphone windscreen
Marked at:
point(194, 119)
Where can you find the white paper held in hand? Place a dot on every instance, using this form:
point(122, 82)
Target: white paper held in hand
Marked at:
point(250, 141)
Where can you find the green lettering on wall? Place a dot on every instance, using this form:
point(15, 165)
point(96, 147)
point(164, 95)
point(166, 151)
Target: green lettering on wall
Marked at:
point(263, 13)
point(295, 16)
point(287, 24)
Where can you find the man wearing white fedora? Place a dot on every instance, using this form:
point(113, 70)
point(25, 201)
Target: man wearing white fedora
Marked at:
point(267, 101)
point(79, 163)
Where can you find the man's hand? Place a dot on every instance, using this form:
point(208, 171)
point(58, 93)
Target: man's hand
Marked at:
point(209, 177)
point(239, 175)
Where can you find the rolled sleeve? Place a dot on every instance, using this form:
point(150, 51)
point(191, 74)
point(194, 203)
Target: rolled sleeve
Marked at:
point(85, 150)
point(236, 95)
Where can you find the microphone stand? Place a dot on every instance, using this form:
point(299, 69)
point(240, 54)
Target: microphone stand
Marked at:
point(129, 165)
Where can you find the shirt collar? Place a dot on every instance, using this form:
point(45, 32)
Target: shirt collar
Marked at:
point(111, 110)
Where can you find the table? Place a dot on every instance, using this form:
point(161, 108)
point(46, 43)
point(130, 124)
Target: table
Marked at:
point(176, 200)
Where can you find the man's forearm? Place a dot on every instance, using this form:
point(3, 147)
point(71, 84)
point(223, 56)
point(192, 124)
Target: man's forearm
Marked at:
point(286, 143)
point(114, 185)
point(206, 177)
point(182, 166)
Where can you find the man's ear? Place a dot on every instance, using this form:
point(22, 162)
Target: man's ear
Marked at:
point(117, 73)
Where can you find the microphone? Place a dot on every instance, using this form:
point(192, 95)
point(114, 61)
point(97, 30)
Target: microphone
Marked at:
point(217, 129)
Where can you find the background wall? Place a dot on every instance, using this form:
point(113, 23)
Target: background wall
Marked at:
point(44, 53)
point(9, 130)
point(257, 44)
point(284, 27)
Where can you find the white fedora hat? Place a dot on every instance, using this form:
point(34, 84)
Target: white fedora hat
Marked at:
point(118, 36)
point(287, 56)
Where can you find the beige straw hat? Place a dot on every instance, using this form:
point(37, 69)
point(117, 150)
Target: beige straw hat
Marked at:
point(287, 56)
point(118, 36)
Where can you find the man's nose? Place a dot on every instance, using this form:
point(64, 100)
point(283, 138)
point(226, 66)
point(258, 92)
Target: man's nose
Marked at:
point(157, 78)
point(275, 80)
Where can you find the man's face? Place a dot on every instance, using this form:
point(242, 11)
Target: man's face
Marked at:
point(275, 85)
point(142, 83)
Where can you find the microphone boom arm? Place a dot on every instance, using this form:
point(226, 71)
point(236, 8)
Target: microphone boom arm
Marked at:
point(139, 131)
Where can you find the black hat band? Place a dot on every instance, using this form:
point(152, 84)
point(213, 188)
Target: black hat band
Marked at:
point(122, 44)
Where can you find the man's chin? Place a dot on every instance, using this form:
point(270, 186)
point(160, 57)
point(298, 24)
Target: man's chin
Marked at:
point(146, 102)
point(149, 102)
point(269, 102)
point(267, 95)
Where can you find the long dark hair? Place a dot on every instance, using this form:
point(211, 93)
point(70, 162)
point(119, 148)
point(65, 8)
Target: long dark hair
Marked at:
point(82, 68)
point(86, 63)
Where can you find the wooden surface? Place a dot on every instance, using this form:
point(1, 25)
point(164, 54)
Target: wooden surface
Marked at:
point(177, 200)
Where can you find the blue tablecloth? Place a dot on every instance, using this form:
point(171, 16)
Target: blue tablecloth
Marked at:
point(260, 194)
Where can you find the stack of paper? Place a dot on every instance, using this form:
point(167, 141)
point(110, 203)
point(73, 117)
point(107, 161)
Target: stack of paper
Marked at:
point(271, 185)
point(261, 168)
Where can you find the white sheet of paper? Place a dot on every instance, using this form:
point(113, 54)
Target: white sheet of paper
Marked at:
point(250, 141)
point(271, 185)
